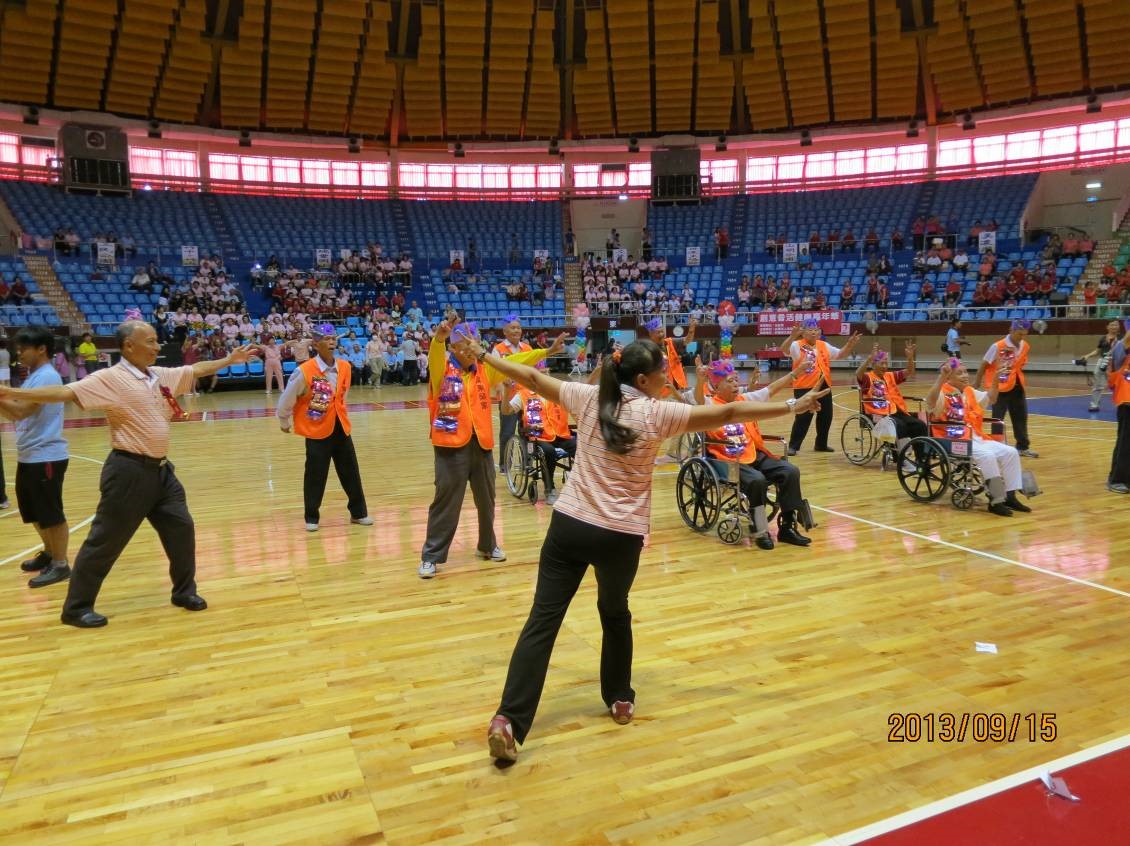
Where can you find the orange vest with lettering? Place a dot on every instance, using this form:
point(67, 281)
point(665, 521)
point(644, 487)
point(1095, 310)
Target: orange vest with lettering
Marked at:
point(1007, 353)
point(675, 374)
point(819, 363)
point(316, 410)
point(508, 388)
point(1120, 382)
point(963, 415)
point(882, 395)
point(541, 419)
point(461, 408)
point(740, 442)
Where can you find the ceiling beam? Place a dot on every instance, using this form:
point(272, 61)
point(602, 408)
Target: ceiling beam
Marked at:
point(399, 60)
point(568, 113)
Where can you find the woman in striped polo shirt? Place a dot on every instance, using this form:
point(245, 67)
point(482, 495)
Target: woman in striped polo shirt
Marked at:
point(602, 516)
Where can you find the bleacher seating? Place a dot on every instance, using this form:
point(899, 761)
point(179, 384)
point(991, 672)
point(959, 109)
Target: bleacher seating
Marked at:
point(486, 298)
point(105, 301)
point(170, 218)
point(38, 313)
point(439, 227)
point(674, 228)
point(293, 227)
point(1001, 198)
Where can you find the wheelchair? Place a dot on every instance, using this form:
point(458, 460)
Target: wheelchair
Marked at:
point(860, 443)
point(707, 502)
point(930, 465)
point(526, 466)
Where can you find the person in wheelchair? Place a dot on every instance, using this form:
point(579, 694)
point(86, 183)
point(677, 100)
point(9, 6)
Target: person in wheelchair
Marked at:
point(672, 348)
point(959, 409)
point(758, 467)
point(546, 425)
point(879, 391)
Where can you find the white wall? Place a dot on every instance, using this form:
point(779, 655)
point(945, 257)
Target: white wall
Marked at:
point(1060, 198)
point(592, 220)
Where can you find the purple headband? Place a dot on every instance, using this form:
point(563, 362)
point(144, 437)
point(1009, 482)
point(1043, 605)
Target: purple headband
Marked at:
point(880, 356)
point(1021, 323)
point(719, 370)
point(467, 330)
point(324, 330)
point(654, 325)
point(953, 363)
point(511, 318)
point(811, 324)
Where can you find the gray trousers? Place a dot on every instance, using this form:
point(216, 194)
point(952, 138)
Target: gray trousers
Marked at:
point(455, 467)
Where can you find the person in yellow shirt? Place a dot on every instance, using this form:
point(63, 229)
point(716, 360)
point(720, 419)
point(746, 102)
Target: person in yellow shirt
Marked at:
point(88, 352)
point(459, 410)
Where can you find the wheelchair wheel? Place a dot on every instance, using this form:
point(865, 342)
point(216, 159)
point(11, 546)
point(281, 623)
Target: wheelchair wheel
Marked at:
point(730, 529)
point(930, 475)
point(967, 485)
point(858, 440)
point(698, 495)
point(517, 473)
point(689, 445)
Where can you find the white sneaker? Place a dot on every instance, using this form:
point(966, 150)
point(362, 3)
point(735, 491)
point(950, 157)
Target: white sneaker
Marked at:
point(427, 569)
point(362, 521)
point(311, 527)
point(495, 555)
point(1027, 453)
point(551, 497)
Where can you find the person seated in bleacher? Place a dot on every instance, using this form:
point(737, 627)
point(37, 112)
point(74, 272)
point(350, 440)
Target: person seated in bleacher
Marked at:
point(960, 260)
point(847, 295)
point(981, 294)
point(988, 265)
point(743, 443)
point(879, 389)
point(883, 300)
point(19, 294)
point(849, 241)
point(960, 409)
point(871, 240)
point(926, 293)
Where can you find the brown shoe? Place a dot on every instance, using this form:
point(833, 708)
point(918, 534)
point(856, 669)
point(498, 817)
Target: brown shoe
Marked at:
point(500, 739)
point(622, 712)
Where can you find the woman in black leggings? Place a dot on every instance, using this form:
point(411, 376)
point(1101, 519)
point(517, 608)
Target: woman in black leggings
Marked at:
point(601, 518)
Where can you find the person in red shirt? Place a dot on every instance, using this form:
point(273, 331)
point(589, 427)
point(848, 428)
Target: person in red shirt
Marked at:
point(1045, 289)
point(849, 241)
point(20, 294)
point(5, 292)
point(981, 294)
point(1030, 286)
point(996, 293)
point(1012, 287)
point(927, 292)
point(847, 295)
point(1017, 273)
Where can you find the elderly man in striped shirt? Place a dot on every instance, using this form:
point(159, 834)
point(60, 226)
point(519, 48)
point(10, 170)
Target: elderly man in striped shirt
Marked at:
point(138, 482)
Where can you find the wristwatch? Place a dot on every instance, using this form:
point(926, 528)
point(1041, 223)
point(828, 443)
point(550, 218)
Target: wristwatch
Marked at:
point(791, 403)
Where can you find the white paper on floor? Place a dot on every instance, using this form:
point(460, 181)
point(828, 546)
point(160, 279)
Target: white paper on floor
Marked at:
point(1058, 787)
point(985, 647)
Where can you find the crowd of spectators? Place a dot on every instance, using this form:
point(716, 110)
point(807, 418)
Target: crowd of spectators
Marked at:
point(15, 294)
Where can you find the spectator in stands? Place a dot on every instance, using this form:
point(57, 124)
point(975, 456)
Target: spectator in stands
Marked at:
point(723, 242)
point(975, 234)
point(960, 260)
point(1090, 296)
point(981, 294)
point(883, 299)
point(813, 241)
point(849, 241)
point(744, 293)
point(897, 241)
point(1044, 290)
point(1071, 246)
point(5, 292)
point(872, 288)
point(89, 353)
point(771, 245)
point(411, 351)
point(988, 265)
point(926, 294)
point(933, 259)
point(847, 295)
point(19, 294)
point(871, 240)
point(141, 281)
point(833, 241)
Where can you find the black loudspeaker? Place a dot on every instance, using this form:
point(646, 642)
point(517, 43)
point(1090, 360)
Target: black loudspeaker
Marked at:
point(95, 158)
point(675, 175)
point(1058, 298)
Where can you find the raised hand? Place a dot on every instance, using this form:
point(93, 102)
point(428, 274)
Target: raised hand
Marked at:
point(852, 341)
point(442, 331)
point(701, 369)
point(810, 401)
point(910, 348)
point(243, 354)
point(945, 371)
point(558, 345)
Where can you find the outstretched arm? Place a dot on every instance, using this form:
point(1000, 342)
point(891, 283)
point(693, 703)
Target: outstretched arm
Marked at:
point(786, 381)
point(37, 396)
point(209, 368)
point(846, 349)
point(714, 415)
point(526, 376)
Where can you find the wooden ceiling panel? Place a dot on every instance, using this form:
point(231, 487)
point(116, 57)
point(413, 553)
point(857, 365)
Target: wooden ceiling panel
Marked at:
point(422, 103)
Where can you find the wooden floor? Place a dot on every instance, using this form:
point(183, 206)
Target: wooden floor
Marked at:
point(330, 696)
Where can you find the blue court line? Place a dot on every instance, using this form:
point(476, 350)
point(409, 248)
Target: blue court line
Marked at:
point(1072, 408)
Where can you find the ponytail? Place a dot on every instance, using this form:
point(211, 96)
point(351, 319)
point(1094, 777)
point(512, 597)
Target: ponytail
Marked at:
point(638, 358)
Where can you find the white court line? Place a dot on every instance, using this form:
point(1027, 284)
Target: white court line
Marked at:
point(990, 555)
point(976, 793)
point(74, 529)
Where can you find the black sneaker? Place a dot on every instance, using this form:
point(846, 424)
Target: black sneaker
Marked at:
point(41, 561)
point(764, 541)
point(1000, 509)
point(1016, 505)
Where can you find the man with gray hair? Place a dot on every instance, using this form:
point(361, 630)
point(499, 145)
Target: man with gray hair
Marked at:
point(138, 482)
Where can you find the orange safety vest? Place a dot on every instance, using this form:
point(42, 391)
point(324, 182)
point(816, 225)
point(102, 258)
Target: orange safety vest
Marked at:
point(543, 420)
point(1018, 358)
point(1120, 382)
point(963, 415)
point(819, 363)
point(317, 409)
point(508, 389)
point(461, 408)
point(881, 393)
point(742, 441)
point(675, 374)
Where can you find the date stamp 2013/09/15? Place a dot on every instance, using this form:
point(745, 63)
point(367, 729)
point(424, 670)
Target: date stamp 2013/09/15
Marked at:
point(946, 727)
